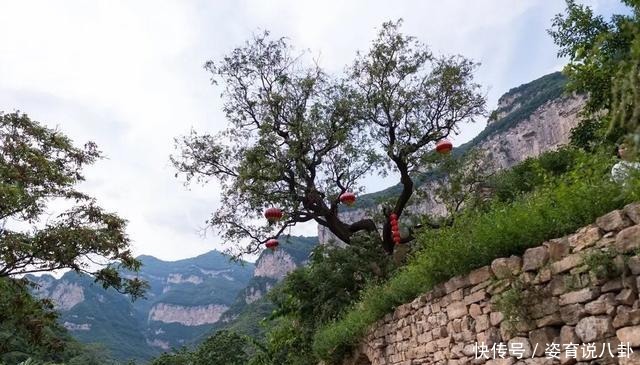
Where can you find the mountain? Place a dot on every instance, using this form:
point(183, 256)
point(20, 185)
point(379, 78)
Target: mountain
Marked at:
point(250, 306)
point(189, 299)
point(186, 299)
point(530, 119)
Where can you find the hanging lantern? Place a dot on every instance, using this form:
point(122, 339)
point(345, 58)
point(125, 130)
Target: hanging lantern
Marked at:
point(395, 228)
point(348, 198)
point(272, 244)
point(444, 146)
point(273, 215)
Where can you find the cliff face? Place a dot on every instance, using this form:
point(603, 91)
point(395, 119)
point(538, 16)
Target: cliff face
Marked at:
point(271, 268)
point(275, 265)
point(529, 120)
point(545, 129)
point(188, 316)
point(186, 299)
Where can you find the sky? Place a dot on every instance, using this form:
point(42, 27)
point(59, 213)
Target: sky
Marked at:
point(129, 75)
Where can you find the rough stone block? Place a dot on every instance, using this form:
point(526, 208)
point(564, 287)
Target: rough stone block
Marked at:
point(543, 276)
point(475, 311)
point(627, 296)
point(568, 335)
point(480, 275)
point(626, 316)
point(521, 343)
point(634, 265)
point(558, 249)
point(535, 258)
point(443, 342)
point(612, 285)
point(482, 323)
point(566, 263)
point(628, 239)
point(633, 212)
point(551, 320)
point(571, 314)
point(613, 221)
point(629, 335)
point(594, 328)
point(585, 237)
point(605, 304)
point(579, 296)
point(489, 337)
point(541, 337)
point(456, 283)
point(506, 267)
point(495, 318)
point(475, 297)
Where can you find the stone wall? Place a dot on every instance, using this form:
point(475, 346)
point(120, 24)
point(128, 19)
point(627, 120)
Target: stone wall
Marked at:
point(578, 289)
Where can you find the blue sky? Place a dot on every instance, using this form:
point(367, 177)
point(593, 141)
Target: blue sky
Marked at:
point(129, 76)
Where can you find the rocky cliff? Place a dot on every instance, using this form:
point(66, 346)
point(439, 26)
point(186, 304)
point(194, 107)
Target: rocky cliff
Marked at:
point(529, 119)
point(250, 305)
point(185, 300)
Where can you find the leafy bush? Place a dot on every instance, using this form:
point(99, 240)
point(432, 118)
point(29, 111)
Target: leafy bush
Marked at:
point(314, 295)
point(532, 173)
point(556, 208)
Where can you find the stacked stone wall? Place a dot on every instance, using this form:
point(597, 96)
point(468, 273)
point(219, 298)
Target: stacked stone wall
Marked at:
point(575, 293)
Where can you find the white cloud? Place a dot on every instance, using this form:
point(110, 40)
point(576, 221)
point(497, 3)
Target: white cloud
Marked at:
point(129, 76)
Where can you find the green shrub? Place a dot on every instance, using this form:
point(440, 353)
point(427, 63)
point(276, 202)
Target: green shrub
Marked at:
point(559, 207)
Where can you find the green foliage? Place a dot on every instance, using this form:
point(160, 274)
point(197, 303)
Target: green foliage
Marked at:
point(601, 264)
point(319, 293)
point(462, 184)
point(27, 325)
point(223, 348)
point(299, 138)
point(604, 62)
point(594, 47)
point(532, 173)
point(560, 206)
point(516, 302)
point(588, 134)
point(38, 165)
point(512, 303)
point(179, 357)
point(29, 331)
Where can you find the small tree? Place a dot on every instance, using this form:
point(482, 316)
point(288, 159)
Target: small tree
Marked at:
point(462, 183)
point(299, 138)
point(223, 348)
point(39, 166)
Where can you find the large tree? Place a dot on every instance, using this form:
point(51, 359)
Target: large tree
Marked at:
point(604, 59)
point(299, 138)
point(39, 171)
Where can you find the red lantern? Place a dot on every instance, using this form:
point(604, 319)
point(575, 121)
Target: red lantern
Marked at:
point(272, 244)
point(444, 146)
point(273, 215)
point(348, 198)
point(393, 216)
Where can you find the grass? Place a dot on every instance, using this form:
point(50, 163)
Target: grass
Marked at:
point(475, 240)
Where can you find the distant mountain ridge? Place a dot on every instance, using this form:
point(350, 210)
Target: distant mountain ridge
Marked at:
point(188, 300)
